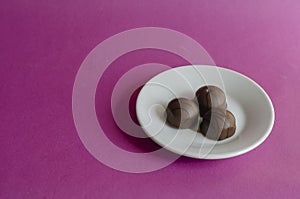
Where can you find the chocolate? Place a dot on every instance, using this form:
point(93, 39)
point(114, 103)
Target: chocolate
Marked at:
point(182, 113)
point(210, 97)
point(218, 124)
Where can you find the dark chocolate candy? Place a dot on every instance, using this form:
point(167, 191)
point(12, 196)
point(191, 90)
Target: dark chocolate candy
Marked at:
point(218, 124)
point(182, 113)
point(210, 97)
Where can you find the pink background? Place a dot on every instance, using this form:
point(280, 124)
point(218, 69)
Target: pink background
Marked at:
point(42, 46)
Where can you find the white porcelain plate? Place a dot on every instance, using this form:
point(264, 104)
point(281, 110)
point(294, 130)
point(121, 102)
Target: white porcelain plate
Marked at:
point(248, 102)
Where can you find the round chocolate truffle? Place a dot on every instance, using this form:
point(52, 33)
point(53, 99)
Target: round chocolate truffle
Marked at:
point(182, 113)
point(210, 97)
point(218, 124)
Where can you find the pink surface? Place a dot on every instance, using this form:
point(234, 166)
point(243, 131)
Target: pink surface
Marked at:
point(42, 46)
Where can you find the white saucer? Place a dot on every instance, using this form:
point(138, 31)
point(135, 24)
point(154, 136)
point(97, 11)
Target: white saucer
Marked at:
point(248, 102)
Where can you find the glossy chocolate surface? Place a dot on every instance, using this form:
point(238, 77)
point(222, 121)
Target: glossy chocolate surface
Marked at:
point(182, 113)
point(210, 97)
point(218, 124)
